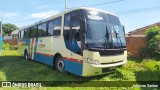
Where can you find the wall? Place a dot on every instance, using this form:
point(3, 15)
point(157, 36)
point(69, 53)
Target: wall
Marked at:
point(134, 43)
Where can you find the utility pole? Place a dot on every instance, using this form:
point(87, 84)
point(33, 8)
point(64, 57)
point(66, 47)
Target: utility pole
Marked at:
point(65, 5)
point(1, 27)
point(1, 37)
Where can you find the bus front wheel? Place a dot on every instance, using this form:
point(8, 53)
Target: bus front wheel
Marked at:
point(59, 64)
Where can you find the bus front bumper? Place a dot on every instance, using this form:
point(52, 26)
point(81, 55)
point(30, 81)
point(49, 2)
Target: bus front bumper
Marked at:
point(92, 69)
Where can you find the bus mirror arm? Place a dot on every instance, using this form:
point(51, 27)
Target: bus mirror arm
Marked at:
point(84, 33)
point(123, 29)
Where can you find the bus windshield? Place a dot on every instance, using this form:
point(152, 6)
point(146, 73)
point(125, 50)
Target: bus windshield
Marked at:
point(104, 31)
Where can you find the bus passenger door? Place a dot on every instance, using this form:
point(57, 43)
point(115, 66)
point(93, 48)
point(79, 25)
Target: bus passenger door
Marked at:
point(73, 42)
point(75, 36)
point(73, 32)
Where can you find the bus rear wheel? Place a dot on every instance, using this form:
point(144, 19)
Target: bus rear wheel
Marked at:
point(25, 55)
point(59, 64)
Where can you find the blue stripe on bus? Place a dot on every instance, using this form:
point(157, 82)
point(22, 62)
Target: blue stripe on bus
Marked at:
point(73, 67)
point(40, 57)
point(43, 59)
point(70, 66)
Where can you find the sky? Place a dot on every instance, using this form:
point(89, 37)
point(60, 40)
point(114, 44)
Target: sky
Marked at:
point(133, 14)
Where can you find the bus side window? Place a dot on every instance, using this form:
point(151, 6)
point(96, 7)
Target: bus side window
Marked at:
point(19, 35)
point(39, 30)
point(54, 27)
point(22, 34)
point(57, 27)
point(33, 32)
point(26, 33)
point(42, 30)
point(50, 28)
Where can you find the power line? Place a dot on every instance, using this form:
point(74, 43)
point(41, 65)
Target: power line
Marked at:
point(133, 10)
point(101, 3)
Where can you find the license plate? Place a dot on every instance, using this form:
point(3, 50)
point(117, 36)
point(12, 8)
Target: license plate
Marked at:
point(112, 68)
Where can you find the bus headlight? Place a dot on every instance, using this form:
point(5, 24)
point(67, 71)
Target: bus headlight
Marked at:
point(125, 59)
point(92, 61)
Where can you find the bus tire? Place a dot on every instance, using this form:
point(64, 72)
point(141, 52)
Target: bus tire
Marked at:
point(59, 64)
point(26, 55)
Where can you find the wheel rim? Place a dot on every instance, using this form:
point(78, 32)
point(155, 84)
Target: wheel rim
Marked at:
point(60, 65)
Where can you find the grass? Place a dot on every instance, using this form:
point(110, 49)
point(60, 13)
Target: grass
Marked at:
point(15, 68)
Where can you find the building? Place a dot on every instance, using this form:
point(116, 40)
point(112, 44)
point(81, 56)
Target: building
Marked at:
point(15, 34)
point(136, 39)
point(11, 40)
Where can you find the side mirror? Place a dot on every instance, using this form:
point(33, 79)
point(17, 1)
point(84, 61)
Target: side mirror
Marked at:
point(123, 28)
point(115, 34)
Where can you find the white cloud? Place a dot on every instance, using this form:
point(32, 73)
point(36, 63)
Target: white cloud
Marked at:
point(8, 14)
point(43, 14)
point(42, 7)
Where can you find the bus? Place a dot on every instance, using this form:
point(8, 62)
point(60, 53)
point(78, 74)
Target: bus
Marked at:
point(83, 41)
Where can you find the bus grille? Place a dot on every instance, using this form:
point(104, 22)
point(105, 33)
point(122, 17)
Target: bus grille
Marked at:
point(110, 52)
point(111, 63)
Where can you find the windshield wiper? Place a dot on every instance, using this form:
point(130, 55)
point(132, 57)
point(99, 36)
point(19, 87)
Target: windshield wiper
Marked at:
point(117, 36)
point(106, 38)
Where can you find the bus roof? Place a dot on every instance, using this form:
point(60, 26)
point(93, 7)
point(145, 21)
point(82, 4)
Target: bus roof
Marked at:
point(64, 12)
point(87, 8)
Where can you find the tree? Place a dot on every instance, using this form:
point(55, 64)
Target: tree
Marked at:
point(153, 38)
point(8, 28)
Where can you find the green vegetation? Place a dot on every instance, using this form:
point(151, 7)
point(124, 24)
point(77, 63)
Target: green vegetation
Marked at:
point(15, 68)
point(8, 28)
point(6, 46)
point(153, 38)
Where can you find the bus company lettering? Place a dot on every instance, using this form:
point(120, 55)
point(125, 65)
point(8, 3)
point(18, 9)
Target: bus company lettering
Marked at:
point(41, 45)
point(94, 17)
